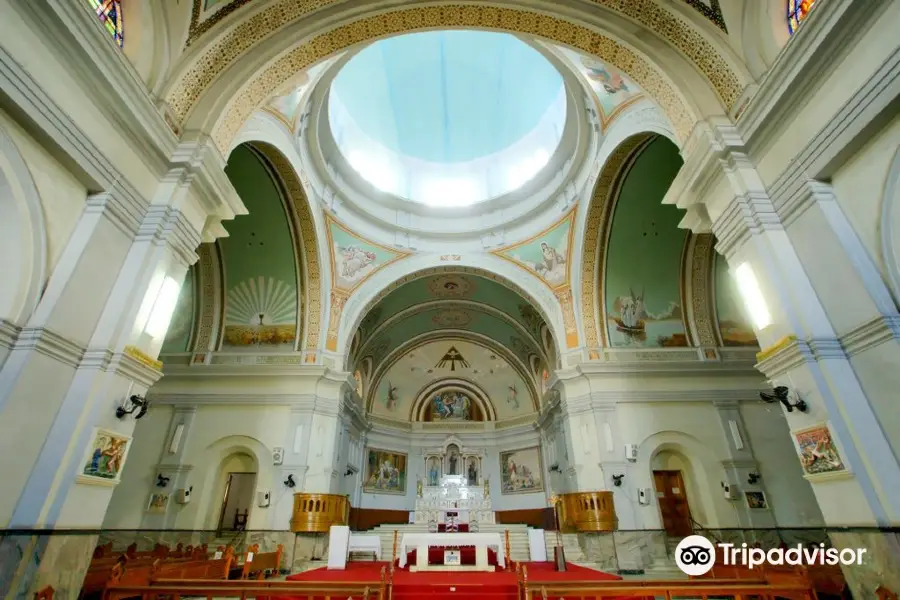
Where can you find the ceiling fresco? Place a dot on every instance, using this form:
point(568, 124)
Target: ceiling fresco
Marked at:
point(546, 254)
point(452, 317)
point(643, 271)
point(424, 373)
point(258, 257)
point(613, 92)
point(354, 258)
point(458, 295)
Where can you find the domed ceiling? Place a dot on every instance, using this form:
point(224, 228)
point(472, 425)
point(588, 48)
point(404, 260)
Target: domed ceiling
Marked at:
point(447, 118)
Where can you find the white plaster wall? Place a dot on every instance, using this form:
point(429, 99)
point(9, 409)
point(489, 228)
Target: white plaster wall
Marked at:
point(789, 494)
point(845, 79)
point(836, 281)
point(876, 369)
point(688, 429)
point(132, 495)
point(62, 195)
point(860, 184)
point(217, 433)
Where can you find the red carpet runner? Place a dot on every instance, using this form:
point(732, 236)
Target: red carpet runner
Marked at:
point(458, 585)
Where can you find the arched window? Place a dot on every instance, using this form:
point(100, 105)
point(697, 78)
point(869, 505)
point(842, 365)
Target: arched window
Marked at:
point(110, 14)
point(796, 12)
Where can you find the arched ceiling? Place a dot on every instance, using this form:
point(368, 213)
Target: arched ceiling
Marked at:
point(452, 304)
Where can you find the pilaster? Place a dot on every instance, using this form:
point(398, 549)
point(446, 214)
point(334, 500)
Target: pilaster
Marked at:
point(797, 246)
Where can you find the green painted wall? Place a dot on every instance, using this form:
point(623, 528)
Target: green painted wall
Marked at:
point(643, 261)
point(179, 333)
point(258, 254)
point(734, 325)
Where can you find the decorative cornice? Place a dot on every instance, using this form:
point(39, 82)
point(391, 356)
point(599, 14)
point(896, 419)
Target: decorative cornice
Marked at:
point(739, 463)
point(9, 332)
point(143, 358)
point(50, 344)
point(773, 349)
point(134, 368)
point(167, 224)
point(872, 333)
point(125, 212)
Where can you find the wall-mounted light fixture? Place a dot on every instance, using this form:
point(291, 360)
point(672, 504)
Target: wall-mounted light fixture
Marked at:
point(138, 405)
point(289, 482)
point(161, 481)
point(554, 468)
point(752, 478)
point(782, 394)
point(617, 479)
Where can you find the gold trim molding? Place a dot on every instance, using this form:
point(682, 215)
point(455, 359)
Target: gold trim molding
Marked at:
point(778, 346)
point(596, 227)
point(306, 227)
point(267, 81)
point(225, 51)
point(143, 358)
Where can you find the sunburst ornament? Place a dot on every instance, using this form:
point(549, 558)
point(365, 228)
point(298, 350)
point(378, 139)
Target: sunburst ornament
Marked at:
point(261, 301)
point(261, 311)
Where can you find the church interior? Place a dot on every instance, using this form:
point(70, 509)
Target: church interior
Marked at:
point(372, 299)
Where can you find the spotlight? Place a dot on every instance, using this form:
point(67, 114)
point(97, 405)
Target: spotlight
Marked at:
point(289, 482)
point(139, 404)
point(780, 394)
point(617, 479)
point(161, 481)
point(753, 478)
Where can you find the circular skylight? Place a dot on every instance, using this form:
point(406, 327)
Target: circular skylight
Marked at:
point(447, 118)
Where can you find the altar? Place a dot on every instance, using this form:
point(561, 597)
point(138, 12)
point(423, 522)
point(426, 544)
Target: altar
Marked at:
point(421, 542)
point(454, 492)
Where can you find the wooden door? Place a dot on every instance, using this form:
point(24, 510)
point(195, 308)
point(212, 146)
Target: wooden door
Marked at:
point(673, 502)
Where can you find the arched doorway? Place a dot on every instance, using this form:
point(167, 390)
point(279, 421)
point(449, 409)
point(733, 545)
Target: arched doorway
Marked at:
point(237, 485)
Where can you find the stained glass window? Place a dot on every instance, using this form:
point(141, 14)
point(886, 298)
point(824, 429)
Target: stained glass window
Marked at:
point(796, 12)
point(110, 14)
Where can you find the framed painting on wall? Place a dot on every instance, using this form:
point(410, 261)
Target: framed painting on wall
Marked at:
point(158, 503)
point(105, 457)
point(521, 471)
point(385, 472)
point(819, 454)
point(757, 500)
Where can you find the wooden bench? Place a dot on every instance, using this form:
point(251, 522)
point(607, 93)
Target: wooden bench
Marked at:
point(256, 564)
point(274, 590)
point(824, 579)
point(701, 590)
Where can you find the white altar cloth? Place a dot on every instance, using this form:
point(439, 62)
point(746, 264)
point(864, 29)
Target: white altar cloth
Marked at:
point(411, 541)
point(365, 543)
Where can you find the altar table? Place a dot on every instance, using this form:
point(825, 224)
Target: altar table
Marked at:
point(422, 541)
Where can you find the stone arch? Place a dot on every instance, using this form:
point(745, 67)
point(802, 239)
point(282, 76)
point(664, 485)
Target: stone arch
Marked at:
point(714, 510)
point(592, 230)
point(890, 227)
point(22, 234)
point(698, 80)
point(214, 457)
point(304, 224)
point(379, 285)
point(764, 33)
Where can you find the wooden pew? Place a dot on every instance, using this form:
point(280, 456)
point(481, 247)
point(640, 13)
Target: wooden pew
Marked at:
point(45, 594)
point(256, 564)
point(144, 575)
point(705, 590)
point(103, 550)
point(295, 590)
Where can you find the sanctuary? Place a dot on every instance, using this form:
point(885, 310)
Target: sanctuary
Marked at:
point(474, 284)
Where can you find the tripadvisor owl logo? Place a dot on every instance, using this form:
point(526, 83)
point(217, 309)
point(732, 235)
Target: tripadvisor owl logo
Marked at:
point(695, 555)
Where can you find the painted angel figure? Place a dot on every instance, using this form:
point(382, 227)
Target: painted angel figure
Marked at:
point(552, 266)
